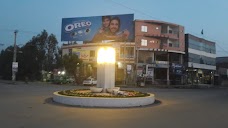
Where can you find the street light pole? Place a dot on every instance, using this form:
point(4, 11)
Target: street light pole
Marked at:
point(14, 55)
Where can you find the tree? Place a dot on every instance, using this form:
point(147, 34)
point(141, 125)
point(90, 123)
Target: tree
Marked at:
point(29, 64)
point(58, 58)
point(72, 64)
point(47, 50)
point(6, 63)
point(51, 48)
point(40, 53)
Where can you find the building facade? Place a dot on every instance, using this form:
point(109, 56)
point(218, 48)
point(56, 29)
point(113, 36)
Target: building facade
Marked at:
point(156, 54)
point(222, 70)
point(160, 48)
point(125, 59)
point(200, 60)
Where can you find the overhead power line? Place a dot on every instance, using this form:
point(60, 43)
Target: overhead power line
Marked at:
point(143, 13)
point(135, 10)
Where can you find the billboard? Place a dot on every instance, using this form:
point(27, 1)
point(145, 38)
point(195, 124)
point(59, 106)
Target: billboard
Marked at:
point(118, 28)
point(82, 54)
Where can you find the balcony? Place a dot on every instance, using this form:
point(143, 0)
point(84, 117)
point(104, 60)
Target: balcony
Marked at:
point(163, 35)
point(155, 64)
point(171, 36)
point(156, 35)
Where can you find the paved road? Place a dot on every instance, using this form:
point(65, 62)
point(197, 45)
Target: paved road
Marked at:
point(30, 106)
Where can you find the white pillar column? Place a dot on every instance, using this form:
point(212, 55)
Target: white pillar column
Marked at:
point(106, 68)
point(106, 75)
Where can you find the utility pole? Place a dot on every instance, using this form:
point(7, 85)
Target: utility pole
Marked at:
point(14, 69)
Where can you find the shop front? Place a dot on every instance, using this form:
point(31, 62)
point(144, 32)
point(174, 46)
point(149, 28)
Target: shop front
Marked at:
point(200, 76)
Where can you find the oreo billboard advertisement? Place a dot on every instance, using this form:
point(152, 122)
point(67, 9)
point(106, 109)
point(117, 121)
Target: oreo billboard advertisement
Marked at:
point(96, 29)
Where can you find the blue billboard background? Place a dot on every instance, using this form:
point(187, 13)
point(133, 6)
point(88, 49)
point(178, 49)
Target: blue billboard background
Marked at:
point(84, 28)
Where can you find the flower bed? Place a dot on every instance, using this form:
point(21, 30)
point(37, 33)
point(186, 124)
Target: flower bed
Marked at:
point(88, 93)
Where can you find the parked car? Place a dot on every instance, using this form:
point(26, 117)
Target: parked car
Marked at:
point(90, 81)
point(70, 80)
point(59, 80)
point(63, 80)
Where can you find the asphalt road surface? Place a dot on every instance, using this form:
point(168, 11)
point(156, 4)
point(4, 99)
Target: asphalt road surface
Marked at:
point(31, 106)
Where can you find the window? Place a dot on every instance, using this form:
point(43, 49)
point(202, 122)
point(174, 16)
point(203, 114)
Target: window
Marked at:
point(201, 59)
point(152, 41)
point(201, 46)
point(143, 42)
point(70, 51)
point(92, 53)
point(127, 52)
point(170, 31)
point(170, 45)
point(144, 28)
point(160, 56)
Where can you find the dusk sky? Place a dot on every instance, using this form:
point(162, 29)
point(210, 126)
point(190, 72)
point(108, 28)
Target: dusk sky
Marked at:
point(30, 17)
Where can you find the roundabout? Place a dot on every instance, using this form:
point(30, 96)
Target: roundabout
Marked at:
point(104, 99)
point(105, 94)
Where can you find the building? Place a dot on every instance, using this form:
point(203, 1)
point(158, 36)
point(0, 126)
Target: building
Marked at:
point(125, 57)
point(222, 70)
point(222, 67)
point(155, 53)
point(200, 60)
point(160, 49)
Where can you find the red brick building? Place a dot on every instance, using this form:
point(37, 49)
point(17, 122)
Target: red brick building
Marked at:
point(160, 48)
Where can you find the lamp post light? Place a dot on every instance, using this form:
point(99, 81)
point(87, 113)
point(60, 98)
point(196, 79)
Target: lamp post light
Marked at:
point(14, 64)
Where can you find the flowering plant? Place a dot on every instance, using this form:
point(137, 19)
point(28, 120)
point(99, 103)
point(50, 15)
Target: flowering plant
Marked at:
point(88, 93)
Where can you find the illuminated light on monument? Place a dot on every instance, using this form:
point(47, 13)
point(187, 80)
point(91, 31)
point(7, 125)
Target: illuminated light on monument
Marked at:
point(106, 68)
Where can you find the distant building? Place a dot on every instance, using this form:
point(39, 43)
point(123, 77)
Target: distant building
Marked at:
point(200, 60)
point(222, 67)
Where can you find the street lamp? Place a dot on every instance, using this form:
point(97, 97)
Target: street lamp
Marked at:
point(14, 64)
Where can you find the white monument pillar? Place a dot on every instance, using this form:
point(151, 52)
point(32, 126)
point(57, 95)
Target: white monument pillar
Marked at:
point(106, 68)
